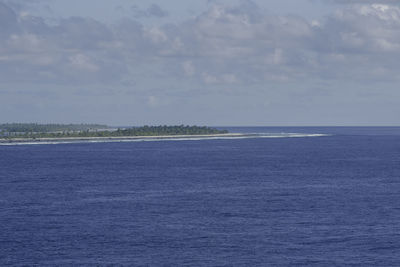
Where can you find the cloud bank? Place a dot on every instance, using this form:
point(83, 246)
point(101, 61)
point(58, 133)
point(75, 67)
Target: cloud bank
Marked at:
point(223, 45)
point(224, 48)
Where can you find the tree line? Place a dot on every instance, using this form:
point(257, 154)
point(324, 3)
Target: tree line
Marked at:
point(46, 128)
point(132, 131)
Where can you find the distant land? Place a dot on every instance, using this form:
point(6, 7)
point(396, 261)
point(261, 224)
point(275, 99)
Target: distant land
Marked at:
point(33, 131)
point(19, 128)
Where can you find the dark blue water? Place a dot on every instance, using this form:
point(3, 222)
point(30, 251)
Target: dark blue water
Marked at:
point(320, 201)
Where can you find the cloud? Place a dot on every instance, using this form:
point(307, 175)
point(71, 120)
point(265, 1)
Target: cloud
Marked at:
point(153, 10)
point(350, 2)
point(238, 61)
point(366, 28)
point(156, 11)
point(236, 45)
point(22, 7)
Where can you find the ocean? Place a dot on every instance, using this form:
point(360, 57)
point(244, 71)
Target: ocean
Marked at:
point(328, 198)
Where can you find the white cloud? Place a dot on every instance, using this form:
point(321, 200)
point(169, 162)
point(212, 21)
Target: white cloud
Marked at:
point(238, 52)
point(226, 44)
point(156, 35)
point(82, 62)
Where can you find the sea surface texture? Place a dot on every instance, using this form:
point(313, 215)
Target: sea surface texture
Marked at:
point(317, 201)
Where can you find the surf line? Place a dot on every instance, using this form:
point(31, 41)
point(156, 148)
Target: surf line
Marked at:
point(159, 138)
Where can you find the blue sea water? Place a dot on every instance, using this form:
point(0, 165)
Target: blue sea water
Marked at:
point(316, 201)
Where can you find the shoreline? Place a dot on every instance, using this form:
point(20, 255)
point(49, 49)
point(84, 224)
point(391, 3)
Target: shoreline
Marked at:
point(115, 138)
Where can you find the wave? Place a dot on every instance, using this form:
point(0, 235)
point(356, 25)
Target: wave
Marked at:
point(158, 139)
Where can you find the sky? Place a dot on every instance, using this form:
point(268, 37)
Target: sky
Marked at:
point(203, 62)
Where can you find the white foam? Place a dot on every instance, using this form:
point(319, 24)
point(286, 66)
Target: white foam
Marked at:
point(244, 136)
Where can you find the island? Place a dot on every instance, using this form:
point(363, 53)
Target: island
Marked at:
point(39, 133)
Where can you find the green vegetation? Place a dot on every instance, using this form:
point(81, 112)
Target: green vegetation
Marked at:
point(167, 130)
point(31, 131)
point(47, 128)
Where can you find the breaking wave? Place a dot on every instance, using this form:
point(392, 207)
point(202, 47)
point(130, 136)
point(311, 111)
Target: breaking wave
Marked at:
point(158, 139)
